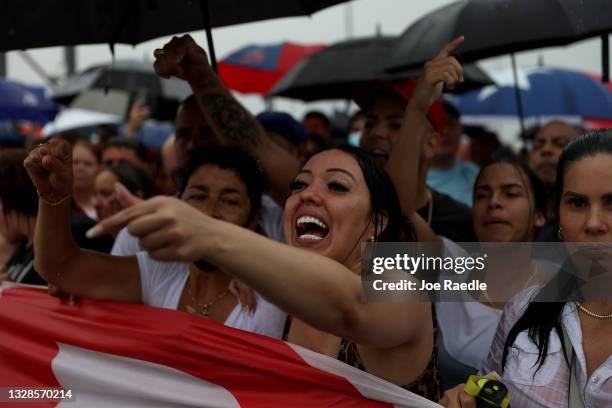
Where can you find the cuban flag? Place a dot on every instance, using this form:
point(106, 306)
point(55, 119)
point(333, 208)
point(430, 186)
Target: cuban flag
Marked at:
point(256, 68)
point(112, 354)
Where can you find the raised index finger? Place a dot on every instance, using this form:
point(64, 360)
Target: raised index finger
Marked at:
point(450, 47)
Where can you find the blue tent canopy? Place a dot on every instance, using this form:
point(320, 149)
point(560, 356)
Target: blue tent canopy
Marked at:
point(22, 102)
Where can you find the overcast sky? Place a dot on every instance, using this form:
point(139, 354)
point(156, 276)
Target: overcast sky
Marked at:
point(327, 26)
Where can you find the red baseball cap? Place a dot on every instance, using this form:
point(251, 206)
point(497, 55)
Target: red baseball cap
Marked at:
point(366, 93)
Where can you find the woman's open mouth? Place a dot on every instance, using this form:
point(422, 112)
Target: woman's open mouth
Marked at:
point(309, 228)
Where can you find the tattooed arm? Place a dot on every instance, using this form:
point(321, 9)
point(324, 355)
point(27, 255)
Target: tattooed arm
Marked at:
point(230, 121)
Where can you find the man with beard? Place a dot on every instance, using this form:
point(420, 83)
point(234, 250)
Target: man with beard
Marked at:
point(548, 143)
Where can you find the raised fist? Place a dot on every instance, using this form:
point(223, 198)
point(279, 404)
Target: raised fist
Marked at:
point(50, 168)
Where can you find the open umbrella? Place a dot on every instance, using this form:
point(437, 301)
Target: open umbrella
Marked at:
point(545, 92)
point(497, 27)
point(43, 23)
point(71, 119)
point(22, 102)
point(255, 69)
point(336, 71)
point(136, 79)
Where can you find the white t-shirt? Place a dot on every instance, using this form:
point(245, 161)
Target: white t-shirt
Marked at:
point(162, 285)
point(272, 222)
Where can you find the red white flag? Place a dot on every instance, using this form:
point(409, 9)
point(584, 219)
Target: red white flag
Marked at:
point(121, 355)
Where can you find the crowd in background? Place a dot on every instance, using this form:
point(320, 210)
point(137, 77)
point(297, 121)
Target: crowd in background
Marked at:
point(290, 201)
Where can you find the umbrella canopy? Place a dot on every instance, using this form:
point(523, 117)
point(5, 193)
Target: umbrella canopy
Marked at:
point(70, 119)
point(42, 23)
point(137, 79)
point(336, 71)
point(255, 69)
point(545, 92)
point(496, 27)
point(22, 102)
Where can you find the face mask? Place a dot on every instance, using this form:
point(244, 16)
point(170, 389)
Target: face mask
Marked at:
point(354, 138)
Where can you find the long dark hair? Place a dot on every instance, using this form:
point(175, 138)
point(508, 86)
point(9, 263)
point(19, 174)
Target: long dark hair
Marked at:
point(540, 318)
point(384, 201)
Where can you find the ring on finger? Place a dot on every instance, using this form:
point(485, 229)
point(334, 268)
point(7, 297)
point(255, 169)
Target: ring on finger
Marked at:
point(159, 52)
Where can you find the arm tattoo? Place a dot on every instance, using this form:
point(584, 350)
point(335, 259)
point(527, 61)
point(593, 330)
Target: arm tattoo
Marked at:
point(234, 123)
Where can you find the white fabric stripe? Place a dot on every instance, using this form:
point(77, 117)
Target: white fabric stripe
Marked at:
point(101, 380)
point(368, 385)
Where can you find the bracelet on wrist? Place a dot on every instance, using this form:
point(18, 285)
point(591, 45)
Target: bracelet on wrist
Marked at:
point(53, 203)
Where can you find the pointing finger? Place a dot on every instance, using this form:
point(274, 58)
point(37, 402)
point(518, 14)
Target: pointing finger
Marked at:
point(450, 47)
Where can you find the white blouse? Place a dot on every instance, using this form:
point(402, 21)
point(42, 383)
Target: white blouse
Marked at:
point(550, 385)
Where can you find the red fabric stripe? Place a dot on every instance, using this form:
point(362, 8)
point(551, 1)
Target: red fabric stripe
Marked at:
point(259, 371)
point(291, 54)
point(249, 80)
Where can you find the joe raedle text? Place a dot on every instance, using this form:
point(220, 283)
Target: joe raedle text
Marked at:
point(446, 285)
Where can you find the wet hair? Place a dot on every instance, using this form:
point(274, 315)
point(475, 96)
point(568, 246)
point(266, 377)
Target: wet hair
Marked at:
point(589, 145)
point(540, 318)
point(228, 158)
point(133, 178)
point(532, 181)
point(16, 189)
point(384, 201)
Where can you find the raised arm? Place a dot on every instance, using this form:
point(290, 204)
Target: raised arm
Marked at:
point(403, 165)
point(318, 290)
point(57, 258)
point(230, 121)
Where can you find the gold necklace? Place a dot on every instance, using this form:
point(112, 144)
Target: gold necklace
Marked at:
point(203, 307)
point(593, 314)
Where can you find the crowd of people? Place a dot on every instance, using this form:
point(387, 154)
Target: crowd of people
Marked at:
point(256, 222)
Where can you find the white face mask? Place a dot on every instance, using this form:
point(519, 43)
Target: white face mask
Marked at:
point(354, 138)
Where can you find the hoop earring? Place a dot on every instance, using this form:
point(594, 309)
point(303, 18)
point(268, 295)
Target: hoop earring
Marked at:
point(560, 234)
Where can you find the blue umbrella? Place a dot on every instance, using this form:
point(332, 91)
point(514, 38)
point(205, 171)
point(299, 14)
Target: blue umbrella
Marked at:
point(22, 102)
point(543, 92)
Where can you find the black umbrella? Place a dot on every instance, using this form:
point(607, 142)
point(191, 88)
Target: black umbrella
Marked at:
point(44, 23)
point(497, 27)
point(137, 79)
point(336, 71)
